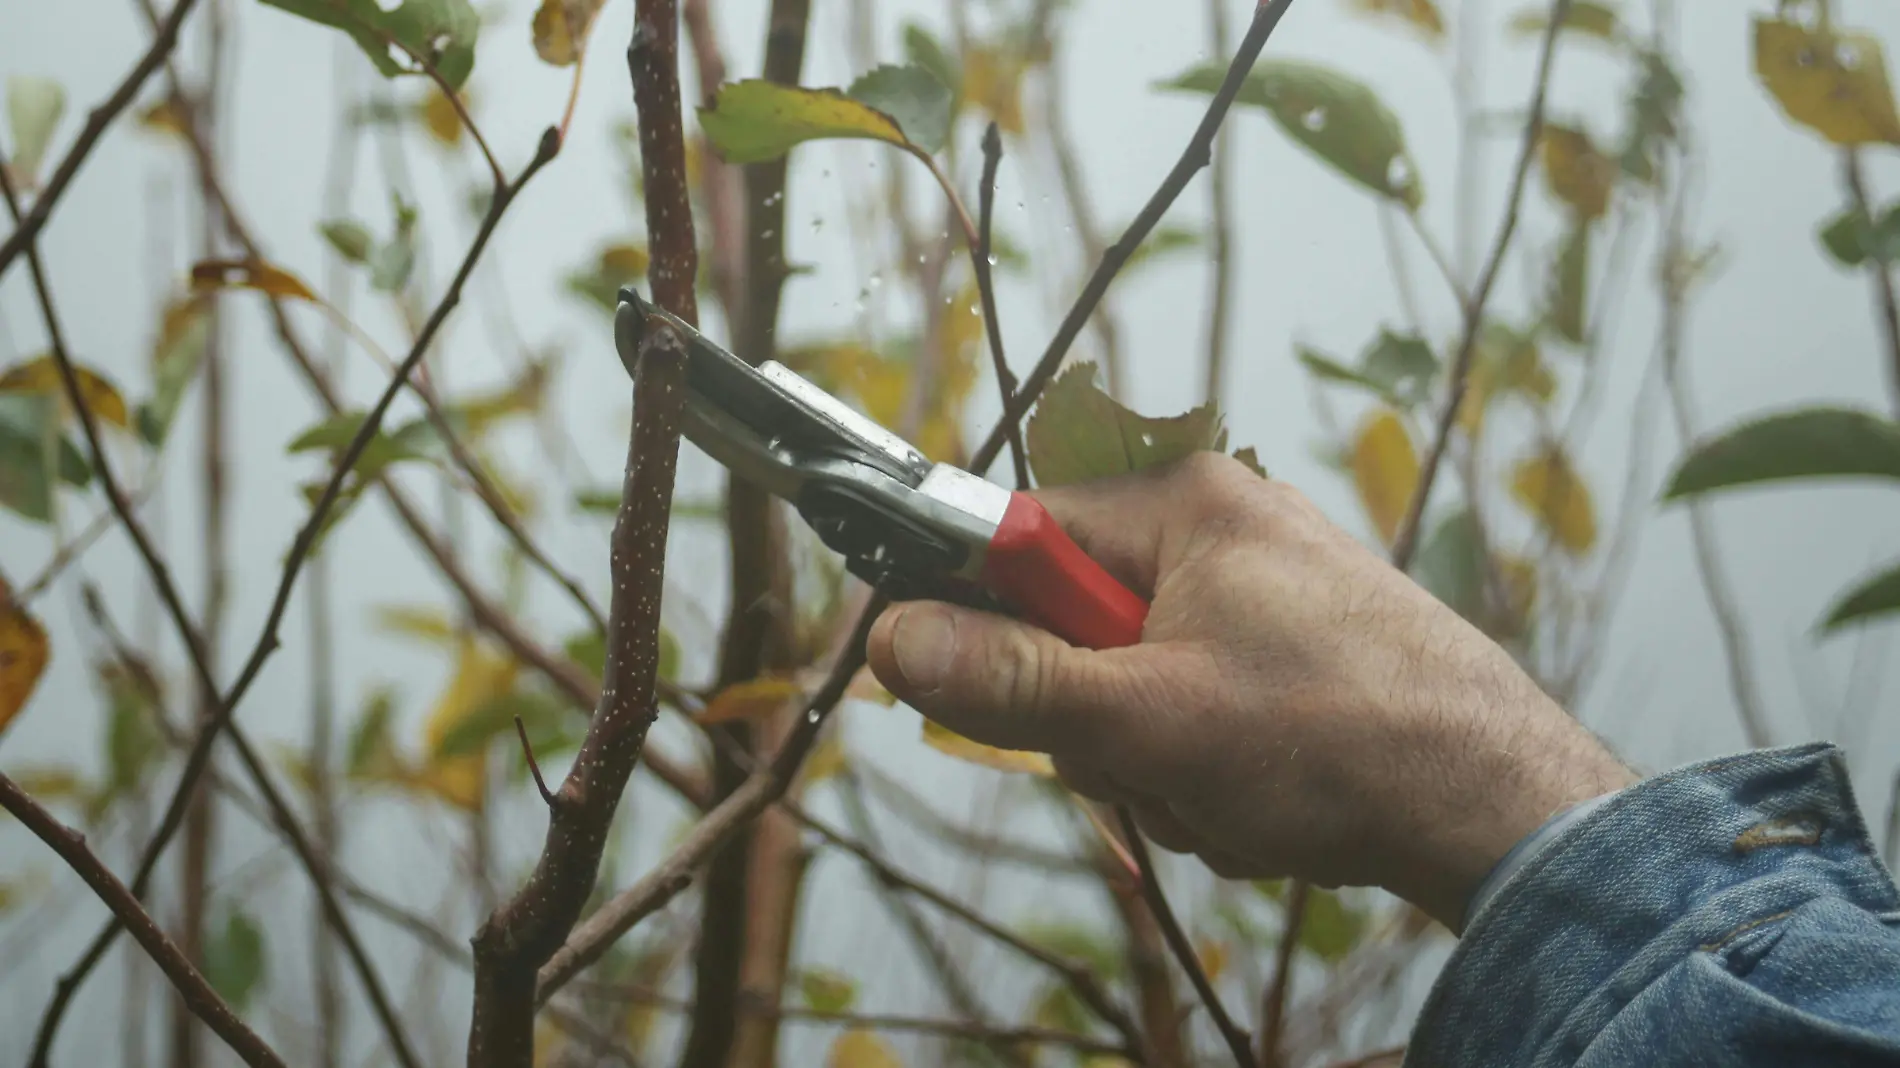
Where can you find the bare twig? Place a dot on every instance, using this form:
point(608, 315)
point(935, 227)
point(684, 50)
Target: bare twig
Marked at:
point(192, 987)
point(1197, 155)
point(1406, 541)
point(1273, 1002)
point(521, 934)
point(918, 812)
point(28, 227)
point(986, 288)
point(1877, 269)
point(1238, 1042)
point(1221, 222)
point(198, 759)
point(534, 767)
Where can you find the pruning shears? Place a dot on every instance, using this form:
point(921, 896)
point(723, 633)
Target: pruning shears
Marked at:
point(904, 524)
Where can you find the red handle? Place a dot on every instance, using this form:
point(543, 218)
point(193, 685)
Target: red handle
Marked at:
point(1041, 572)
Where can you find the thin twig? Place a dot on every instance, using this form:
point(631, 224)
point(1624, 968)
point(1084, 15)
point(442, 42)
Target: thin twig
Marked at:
point(1878, 270)
point(1406, 541)
point(986, 288)
point(27, 228)
point(1197, 154)
point(527, 753)
point(198, 759)
point(1221, 222)
point(1273, 1002)
point(1238, 1041)
point(192, 986)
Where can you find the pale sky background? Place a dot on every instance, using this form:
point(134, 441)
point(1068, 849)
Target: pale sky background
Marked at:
point(1779, 325)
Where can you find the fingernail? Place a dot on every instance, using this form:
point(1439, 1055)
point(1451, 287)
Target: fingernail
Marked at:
point(924, 642)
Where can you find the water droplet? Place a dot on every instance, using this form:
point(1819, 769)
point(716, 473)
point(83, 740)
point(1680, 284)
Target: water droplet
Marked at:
point(1314, 119)
point(811, 716)
point(992, 259)
point(769, 233)
point(920, 257)
point(876, 281)
point(1398, 173)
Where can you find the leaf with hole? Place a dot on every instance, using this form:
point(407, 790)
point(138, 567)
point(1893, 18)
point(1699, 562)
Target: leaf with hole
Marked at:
point(1806, 443)
point(1548, 487)
point(827, 991)
point(561, 28)
point(34, 108)
point(1832, 81)
point(952, 744)
point(1079, 433)
point(1337, 117)
point(234, 961)
point(1874, 597)
point(402, 38)
point(1578, 173)
point(1384, 470)
point(23, 654)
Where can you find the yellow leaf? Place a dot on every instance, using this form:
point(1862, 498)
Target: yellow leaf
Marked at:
point(23, 654)
point(1549, 488)
point(41, 375)
point(561, 28)
point(479, 675)
point(1213, 958)
point(751, 700)
point(1520, 583)
point(1385, 471)
point(1422, 14)
point(51, 783)
point(950, 743)
point(623, 261)
point(861, 1049)
point(1834, 82)
point(164, 117)
point(440, 117)
point(426, 624)
point(758, 120)
point(994, 82)
point(827, 759)
point(249, 274)
point(865, 687)
point(1578, 174)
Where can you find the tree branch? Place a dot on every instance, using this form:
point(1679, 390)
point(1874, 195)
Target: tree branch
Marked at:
point(1237, 1040)
point(192, 987)
point(27, 228)
point(1221, 222)
point(1877, 269)
point(522, 933)
point(1196, 155)
point(980, 263)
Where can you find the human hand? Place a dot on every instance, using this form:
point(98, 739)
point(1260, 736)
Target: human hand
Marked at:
point(1297, 707)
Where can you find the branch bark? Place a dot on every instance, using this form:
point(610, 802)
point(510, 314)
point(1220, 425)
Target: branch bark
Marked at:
point(521, 934)
point(1221, 222)
point(192, 987)
point(986, 288)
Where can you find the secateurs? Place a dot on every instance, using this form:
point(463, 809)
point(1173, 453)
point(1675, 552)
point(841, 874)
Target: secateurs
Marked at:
point(911, 527)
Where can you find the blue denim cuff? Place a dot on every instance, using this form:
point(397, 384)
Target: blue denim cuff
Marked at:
point(1654, 875)
point(1527, 848)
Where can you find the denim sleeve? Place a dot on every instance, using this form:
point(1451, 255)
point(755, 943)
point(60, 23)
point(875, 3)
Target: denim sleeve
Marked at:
point(1730, 913)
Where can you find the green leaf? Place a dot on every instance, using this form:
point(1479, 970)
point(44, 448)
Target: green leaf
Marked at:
point(436, 33)
point(392, 262)
point(183, 332)
point(1332, 927)
point(349, 238)
point(415, 440)
point(1080, 433)
point(1086, 946)
point(234, 962)
point(1402, 366)
point(34, 107)
point(1567, 302)
point(28, 423)
point(1450, 565)
point(1338, 118)
point(1805, 443)
point(1058, 1009)
point(1852, 238)
point(1585, 17)
point(1652, 110)
point(372, 750)
point(757, 120)
point(1164, 241)
point(826, 990)
point(924, 50)
point(1876, 596)
point(133, 741)
point(915, 98)
point(537, 708)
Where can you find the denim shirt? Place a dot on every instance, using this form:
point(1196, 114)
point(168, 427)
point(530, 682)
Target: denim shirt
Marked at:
point(1730, 913)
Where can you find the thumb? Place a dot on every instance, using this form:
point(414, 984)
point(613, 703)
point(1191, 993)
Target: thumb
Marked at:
point(990, 678)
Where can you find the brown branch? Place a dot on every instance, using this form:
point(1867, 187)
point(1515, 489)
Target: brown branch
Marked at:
point(1237, 1040)
point(534, 766)
point(192, 987)
point(592, 938)
point(1273, 1002)
point(916, 811)
point(1405, 543)
point(27, 228)
point(986, 287)
point(198, 759)
point(523, 932)
point(1877, 269)
point(1197, 154)
point(1221, 222)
